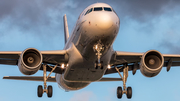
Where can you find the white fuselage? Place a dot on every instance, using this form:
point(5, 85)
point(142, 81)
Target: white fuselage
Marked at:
point(100, 24)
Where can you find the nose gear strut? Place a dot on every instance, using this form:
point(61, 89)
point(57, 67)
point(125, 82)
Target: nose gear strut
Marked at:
point(98, 48)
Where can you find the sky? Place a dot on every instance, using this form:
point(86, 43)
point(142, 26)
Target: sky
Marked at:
point(145, 25)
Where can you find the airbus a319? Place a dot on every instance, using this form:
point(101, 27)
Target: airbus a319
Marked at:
point(87, 56)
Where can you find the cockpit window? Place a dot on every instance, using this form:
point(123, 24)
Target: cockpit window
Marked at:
point(107, 9)
point(88, 11)
point(98, 9)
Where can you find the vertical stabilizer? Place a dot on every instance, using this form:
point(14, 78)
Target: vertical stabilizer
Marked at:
point(66, 31)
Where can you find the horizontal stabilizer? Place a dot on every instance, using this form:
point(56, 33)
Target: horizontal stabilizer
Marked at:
point(50, 79)
point(110, 79)
point(30, 78)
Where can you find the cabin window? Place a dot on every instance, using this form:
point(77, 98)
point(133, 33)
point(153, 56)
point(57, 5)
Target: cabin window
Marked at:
point(107, 9)
point(98, 9)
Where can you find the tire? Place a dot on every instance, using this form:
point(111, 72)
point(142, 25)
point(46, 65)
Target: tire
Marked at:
point(40, 91)
point(50, 90)
point(119, 92)
point(129, 92)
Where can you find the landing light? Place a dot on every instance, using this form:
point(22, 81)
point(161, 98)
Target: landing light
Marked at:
point(96, 47)
point(62, 66)
point(109, 67)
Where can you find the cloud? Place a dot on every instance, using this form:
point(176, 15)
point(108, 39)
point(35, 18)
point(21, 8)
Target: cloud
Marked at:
point(140, 10)
point(170, 47)
point(145, 9)
point(83, 96)
point(43, 18)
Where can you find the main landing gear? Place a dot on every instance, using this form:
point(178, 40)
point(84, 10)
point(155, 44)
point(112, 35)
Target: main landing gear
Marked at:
point(49, 89)
point(128, 90)
point(98, 48)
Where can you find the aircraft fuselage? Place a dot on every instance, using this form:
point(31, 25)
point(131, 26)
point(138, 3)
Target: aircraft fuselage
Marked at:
point(97, 26)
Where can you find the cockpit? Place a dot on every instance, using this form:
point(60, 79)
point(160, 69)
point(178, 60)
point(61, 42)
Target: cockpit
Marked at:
point(99, 9)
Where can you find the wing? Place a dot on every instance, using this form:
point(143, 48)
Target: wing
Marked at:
point(133, 59)
point(119, 57)
point(9, 58)
point(49, 57)
point(55, 57)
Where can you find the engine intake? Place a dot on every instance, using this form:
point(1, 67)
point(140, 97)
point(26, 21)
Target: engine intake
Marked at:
point(30, 61)
point(151, 63)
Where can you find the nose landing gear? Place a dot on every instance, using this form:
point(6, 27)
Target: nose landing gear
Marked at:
point(98, 48)
point(128, 90)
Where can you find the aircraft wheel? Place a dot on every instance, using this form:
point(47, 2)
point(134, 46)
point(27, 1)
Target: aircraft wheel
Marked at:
point(129, 92)
point(40, 91)
point(119, 92)
point(49, 94)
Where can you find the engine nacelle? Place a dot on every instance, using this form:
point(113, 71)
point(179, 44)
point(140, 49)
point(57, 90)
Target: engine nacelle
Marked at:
point(30, 61)
point(151, 63)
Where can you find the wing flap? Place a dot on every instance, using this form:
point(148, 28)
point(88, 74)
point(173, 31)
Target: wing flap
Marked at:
point(55, 57)
point(8, 62)
point(174, 57)
point(30, 78)
point(120, 57)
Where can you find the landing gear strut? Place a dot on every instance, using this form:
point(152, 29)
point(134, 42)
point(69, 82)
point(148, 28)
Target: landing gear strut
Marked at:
point(46, 89)
point(98, 48)
point(128, 90)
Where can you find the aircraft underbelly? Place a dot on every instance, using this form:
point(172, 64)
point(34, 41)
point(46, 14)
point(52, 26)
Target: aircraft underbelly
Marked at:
point(84, 72)
point(69, 85)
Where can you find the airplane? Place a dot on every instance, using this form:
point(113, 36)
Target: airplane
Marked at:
point(87, 56)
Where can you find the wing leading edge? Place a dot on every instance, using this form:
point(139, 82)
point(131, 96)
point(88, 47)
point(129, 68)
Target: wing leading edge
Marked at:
point(50, 57)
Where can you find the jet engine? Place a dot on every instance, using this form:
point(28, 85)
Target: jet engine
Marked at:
point(30, 61)
point(151, 63)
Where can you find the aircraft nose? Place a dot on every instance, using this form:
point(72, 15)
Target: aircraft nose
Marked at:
point(105, 21)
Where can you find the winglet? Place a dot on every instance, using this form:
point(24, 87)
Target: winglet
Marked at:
point(66, 31)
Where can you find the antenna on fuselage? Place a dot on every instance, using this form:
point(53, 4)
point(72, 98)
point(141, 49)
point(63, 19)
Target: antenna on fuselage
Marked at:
point(66, 31)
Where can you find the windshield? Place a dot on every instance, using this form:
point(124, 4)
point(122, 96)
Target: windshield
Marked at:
point(98, 9)
point(107, 9)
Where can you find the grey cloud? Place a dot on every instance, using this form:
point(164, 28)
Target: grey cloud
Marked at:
point(6, 7)
point(34, 16)
point(143, 10)
point(169, 47)
point(45, 16)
